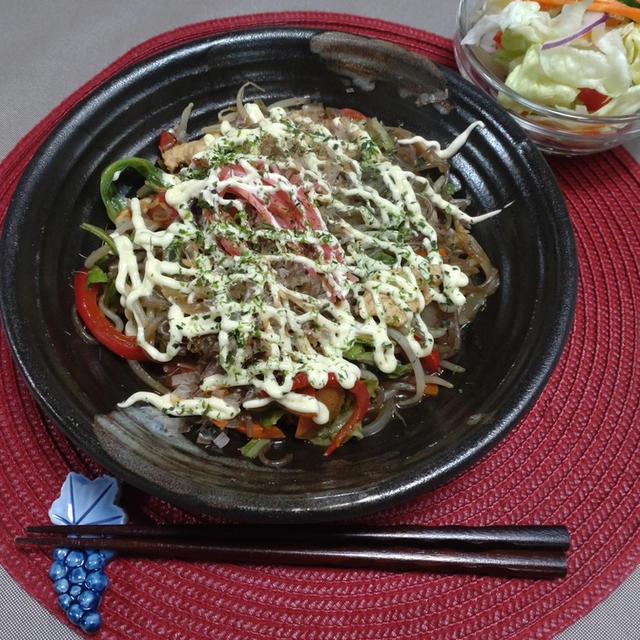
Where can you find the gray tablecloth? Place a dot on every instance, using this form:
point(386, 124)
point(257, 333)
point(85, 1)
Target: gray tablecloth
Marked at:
point(47, 50)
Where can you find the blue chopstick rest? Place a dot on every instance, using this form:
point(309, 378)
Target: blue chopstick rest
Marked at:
point(78, 575)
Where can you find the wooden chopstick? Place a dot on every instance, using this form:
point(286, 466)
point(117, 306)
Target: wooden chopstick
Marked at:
point(496, 562)
point(524, 552)
point(554, 537)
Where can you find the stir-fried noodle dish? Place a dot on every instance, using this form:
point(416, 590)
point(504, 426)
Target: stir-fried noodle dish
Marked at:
point(299, 271)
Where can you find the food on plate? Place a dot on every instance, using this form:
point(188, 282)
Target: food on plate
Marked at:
point(580, 57)
point(299, 271)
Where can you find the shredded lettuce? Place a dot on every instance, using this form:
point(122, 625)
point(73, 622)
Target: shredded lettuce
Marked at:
point(529, 80)
point(606, 59)
point(623, 105)
point(631, 40)
point(595, 70)
point(526, 24)
point(521, 15)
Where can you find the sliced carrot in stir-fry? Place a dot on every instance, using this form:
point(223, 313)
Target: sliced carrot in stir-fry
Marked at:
point(256, 430)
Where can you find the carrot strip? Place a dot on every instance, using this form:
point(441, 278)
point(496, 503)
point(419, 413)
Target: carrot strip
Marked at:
point(256, 430)
point(618, 9)
point(307, 429)
point(606, 6)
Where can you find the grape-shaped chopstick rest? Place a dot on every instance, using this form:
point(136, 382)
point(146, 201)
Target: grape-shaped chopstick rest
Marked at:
point(78, 575)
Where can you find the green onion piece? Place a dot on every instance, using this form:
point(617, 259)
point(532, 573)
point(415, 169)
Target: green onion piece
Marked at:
point(253, 448)
point(400, 370)
point(263, 106)
point(271, 417)
point(371, 383)
point(330, 430)
point(385, 258)
point(379, 134)
point(110, 294)
point(358, 352)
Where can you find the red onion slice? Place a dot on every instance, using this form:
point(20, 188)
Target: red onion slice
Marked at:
point(595, 20)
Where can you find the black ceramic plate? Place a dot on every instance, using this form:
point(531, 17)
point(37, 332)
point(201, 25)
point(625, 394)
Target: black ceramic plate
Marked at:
point(509, 351)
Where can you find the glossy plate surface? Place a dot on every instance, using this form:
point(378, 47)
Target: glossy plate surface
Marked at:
point(508, 352)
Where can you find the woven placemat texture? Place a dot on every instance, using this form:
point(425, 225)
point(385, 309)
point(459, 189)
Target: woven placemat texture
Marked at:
point(574, 459)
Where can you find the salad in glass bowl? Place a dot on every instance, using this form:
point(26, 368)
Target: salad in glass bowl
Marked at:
point(568, 70)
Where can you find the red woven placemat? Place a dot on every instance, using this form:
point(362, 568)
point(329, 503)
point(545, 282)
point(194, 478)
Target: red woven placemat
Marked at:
point(574, 459)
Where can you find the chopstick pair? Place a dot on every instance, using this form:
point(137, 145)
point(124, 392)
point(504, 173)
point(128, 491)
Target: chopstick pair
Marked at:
point(517, 551)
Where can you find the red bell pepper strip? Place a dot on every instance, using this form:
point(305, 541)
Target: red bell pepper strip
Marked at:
point(592, 99)
point(300, 381)
point(431, 362)
point(86, 298)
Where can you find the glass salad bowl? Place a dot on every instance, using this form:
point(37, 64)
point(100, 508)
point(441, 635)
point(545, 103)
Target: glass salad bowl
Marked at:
point(553, 129)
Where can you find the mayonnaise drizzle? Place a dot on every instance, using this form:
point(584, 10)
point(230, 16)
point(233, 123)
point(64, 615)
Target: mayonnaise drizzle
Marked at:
point(352, 246)
point(434, 146)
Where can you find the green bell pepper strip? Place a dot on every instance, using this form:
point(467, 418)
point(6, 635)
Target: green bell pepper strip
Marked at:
point(114, 202)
